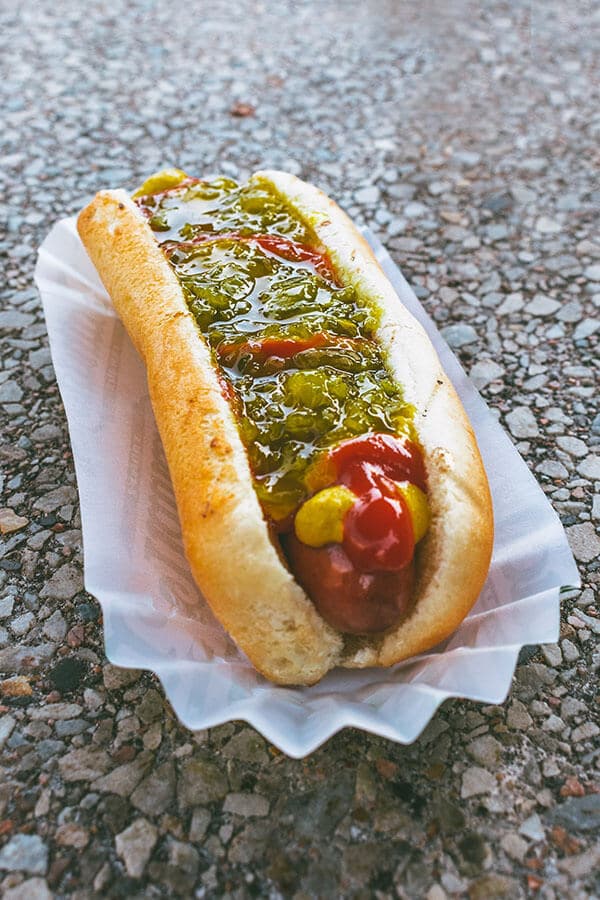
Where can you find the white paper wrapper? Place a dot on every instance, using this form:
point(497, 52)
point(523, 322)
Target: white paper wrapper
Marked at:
point(154, 616)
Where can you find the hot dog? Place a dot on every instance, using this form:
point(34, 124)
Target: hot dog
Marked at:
point(333, 502)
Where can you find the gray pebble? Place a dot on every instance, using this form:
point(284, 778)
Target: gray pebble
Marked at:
point(46, 433)
point(546, 225)
point(459, 335)
point(579, 814)
point(590, 467)
point(467, 157)
point(553, 468)
point(586, 329)
point(64, 584)
point(477, 781)
point(592, 273)
point(496, 232)
point(12, 318)
point(534, 165)
point(10, 392)
point(542, 306)
point(31, 889)
point(572, 445)
point(25, 853)
point(585, 732)
point(199, 824)
point(533, 829)
point(512, 304)
point(552, 654)
point(415, 210)
point(135, 844)
point(7, 723)
point(570, 312)
point(514, 847)
point(56, 711)
point(367, 195)
point(16, 659)
point(581, 865)
point(584, 541)
point(55, 627)
point(484, 372)
point(554, 724)
point(39, 358)
point(84, 764)
point(569, 651)
point(124, 779)
point(518, 717)
point(54, 499)
point(438, 187)
point(6, 606)
point(68, 727)
point(200, 781)
point(521, 423)
point(156, 792)
point(246, 805)
point(21, 624)
point(485, 750)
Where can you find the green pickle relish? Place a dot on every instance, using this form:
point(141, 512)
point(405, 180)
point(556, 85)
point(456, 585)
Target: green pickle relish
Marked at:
point(294, 349)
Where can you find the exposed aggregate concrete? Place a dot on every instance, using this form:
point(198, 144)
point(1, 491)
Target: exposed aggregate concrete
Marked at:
point(466, 135)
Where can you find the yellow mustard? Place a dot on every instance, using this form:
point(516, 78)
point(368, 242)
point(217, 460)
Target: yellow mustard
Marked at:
point(320, 520)
point(418, 508)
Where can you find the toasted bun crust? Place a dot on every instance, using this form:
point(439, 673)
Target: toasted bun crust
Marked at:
point(227, 542)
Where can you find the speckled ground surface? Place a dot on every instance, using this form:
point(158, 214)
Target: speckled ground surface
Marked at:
point(467, 136)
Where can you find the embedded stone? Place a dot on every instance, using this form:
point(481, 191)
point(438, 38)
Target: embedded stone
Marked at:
point(135, 845)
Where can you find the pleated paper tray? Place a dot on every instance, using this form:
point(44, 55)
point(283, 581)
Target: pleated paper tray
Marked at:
point(154, 615)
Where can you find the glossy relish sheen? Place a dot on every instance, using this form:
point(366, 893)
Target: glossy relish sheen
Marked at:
point(249, 299)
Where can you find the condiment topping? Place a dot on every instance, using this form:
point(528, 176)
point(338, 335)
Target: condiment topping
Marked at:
point(320, 520)
point(296, 346)
point(195, 208)
point(385, 475)
point(316, 408)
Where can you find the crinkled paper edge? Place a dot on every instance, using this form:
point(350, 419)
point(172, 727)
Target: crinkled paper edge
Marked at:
point(298, 720)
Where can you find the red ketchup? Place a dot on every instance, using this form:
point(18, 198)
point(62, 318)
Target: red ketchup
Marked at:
point(271, 243)
point(287, 347)
point(364, 585)
point(283, 348)
point(378, 531)
point(295, 252)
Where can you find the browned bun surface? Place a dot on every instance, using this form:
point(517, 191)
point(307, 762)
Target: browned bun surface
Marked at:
point(239, 569)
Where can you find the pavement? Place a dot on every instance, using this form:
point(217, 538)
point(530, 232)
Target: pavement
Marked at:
point(467, 136)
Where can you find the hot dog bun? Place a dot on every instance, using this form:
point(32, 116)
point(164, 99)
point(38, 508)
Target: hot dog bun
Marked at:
point(241, 572)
